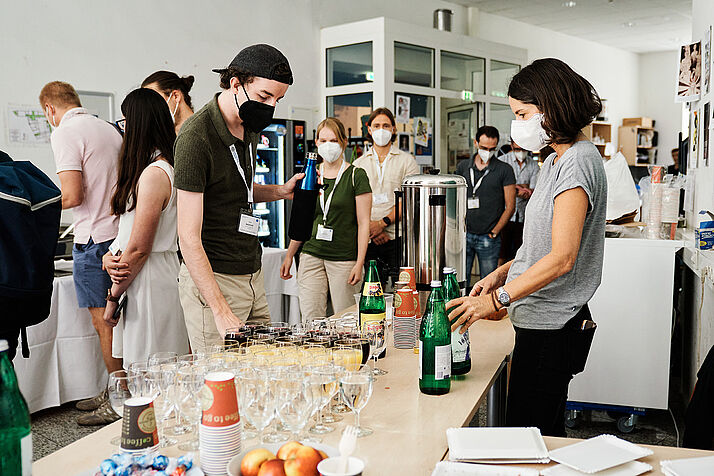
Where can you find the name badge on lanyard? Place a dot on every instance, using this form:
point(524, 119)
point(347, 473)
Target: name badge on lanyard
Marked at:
point(324, 233)
point(247, 223)
point(474, 202)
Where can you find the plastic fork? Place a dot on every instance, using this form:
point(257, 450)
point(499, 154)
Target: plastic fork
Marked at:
point(347, 445)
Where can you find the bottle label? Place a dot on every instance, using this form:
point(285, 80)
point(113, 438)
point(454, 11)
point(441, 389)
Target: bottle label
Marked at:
point(372, 321)
point(442, 362)
point(372, 289)
point(26, 455)
point(460, 346)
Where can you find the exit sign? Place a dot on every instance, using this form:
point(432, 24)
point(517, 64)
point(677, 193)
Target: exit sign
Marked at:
point(467, 95)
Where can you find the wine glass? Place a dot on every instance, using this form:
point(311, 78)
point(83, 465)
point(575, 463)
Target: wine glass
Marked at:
point(189, 381)
point(118, 391)
point(295, 402)
point(356, 389)
point(323, 383)
point(162, 358)
point(159, 385)
point(376, 333)
point(257, 400)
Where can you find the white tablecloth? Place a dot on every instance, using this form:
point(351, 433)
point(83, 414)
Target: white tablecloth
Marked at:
point(65, 361)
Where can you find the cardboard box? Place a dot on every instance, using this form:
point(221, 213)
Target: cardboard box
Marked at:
point(638, 121)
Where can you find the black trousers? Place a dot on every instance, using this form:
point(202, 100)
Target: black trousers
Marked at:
point(386, 257)
point(543, 364)
point(699, 418)
point(16, 313)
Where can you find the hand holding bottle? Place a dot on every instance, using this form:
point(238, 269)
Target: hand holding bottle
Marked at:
point(468, 310)
point(286, 190)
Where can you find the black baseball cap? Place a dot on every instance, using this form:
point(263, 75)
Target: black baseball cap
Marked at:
point(264, 61)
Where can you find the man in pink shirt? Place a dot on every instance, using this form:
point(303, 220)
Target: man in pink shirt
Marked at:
point(86, 149)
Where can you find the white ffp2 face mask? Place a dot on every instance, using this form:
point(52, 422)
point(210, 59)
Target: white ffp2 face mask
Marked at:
point(381, 137)
point(530, 134)
point(486, 155)
point(520, 154)
point(173, 114)
point(330, 151)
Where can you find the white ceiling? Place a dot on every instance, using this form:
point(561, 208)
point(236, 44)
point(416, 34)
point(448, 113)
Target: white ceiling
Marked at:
point(657, 25)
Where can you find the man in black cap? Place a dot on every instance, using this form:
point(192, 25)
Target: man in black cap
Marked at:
point(221, 281)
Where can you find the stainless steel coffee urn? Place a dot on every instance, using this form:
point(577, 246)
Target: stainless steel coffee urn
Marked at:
point(432, 227)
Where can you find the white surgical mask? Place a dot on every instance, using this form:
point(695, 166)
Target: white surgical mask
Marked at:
point(529, 134)
point(173, 114)
point(520, 154)
point(330, 151)
point(381, 137)
point(486, 155)
point(53, 121)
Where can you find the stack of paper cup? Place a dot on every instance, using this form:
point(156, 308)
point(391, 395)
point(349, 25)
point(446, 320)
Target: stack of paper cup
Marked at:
point(220, 432)
point(405, 329)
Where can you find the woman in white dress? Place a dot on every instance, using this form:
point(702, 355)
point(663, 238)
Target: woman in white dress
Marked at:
point(143, 260)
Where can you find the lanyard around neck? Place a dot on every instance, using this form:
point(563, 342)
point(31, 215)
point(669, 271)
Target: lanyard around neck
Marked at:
point(325, 205)
point(477, 184)
point(236, 159)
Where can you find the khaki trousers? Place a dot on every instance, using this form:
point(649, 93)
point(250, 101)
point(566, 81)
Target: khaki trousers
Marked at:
point(313, 273)
point(245, 294)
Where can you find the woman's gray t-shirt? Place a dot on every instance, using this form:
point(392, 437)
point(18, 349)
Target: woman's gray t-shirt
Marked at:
point(556, 303)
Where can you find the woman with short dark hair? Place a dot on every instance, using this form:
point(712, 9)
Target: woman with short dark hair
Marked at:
point(559, 266)
point(143, 261)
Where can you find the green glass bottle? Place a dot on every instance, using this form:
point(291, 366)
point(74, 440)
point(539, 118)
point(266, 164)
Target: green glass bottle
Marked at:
point(460, 343)
point(15, 432)
point(435, 345)
point(372, 306)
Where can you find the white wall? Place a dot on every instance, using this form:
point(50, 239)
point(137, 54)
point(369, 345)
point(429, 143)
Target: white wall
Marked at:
point(658, 80)
point(613, 72)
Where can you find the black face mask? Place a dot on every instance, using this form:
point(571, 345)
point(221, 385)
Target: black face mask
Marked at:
point(255, 115)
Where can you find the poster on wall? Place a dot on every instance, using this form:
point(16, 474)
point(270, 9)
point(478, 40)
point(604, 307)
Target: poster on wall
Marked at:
point(705, 135)
point(707, 40)
point(690, 73)
point(27, 125)
point(694, 139)
point(402, 109)
point(422, 130)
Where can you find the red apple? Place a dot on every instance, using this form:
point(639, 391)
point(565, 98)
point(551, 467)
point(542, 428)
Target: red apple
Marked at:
point(273, 467)
point(288, 449)
point(250, 465)
point(303, 462)
point(323, 454)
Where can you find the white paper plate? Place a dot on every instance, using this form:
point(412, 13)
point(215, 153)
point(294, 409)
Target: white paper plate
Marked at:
point(633, 468)
point(496, 445)
point(598, 454)
point(688, 466)
point(451, 468)
point(234, 464)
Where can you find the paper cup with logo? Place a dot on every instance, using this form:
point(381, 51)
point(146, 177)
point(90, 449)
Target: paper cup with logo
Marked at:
point(219, 401)
point(406, 273)
point(138, 431)
point(417, 308)
point(404, 303)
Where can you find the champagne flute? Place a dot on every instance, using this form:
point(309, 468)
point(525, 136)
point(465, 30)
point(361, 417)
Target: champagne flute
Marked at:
point(160, 380)
point(257, 400)
point(324, 385)
point(295, 402)
point(189, 381)
point(376, 333)
point(356, 389)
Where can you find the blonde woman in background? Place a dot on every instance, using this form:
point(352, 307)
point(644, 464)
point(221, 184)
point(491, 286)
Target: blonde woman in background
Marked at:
point(340, 231)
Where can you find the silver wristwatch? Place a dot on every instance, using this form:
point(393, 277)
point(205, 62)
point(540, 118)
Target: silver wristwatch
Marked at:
point(503, 297)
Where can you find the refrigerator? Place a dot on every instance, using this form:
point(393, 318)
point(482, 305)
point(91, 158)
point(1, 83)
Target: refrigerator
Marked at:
point(280, 153)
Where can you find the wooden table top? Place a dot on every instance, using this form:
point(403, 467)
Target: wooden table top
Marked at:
point(409, 427)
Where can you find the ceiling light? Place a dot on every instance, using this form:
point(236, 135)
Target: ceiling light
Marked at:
point(628, 24)
point(569, 4)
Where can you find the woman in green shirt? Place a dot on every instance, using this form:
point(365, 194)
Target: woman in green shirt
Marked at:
point(334, 254)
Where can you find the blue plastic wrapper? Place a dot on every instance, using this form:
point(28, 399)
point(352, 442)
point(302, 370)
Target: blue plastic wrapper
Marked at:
point(160, 462)
point(143, 461)
point(122, 471)
point(107, 467)
point(186, 461)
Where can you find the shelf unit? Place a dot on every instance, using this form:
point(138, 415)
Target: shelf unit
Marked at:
point(601, 130)
point(637, 140)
